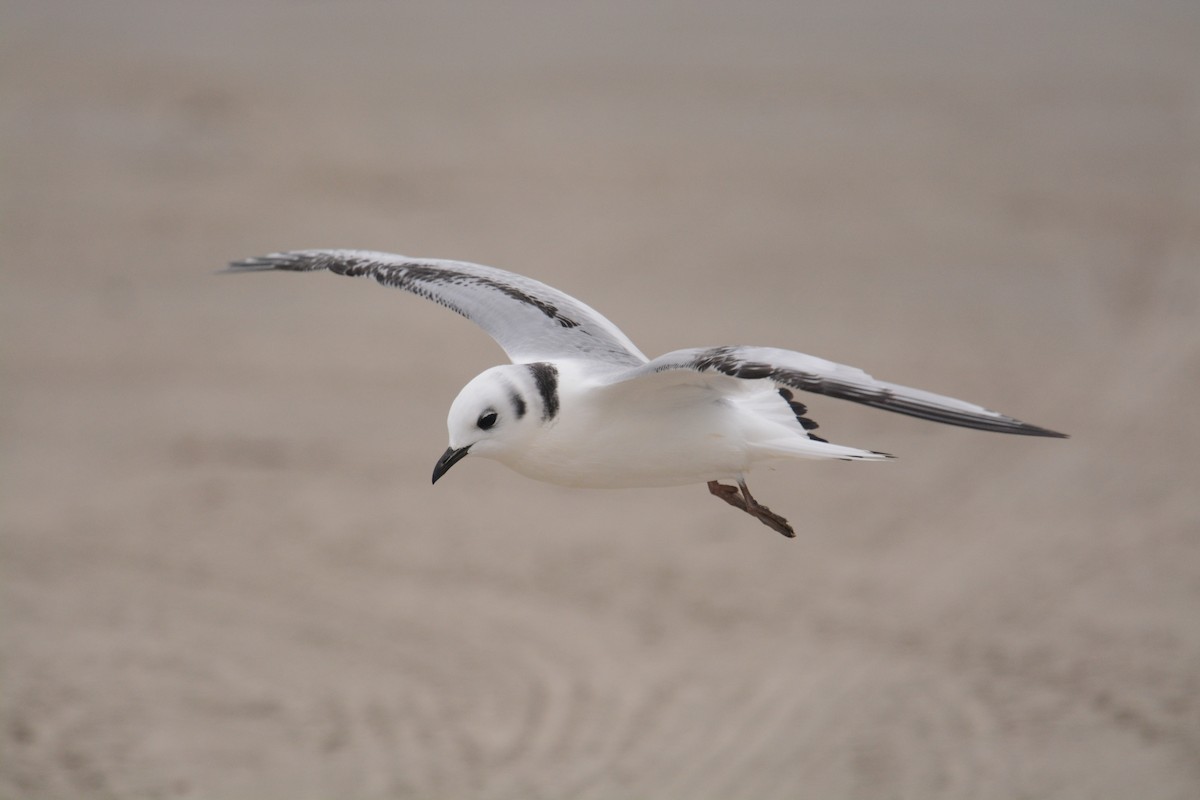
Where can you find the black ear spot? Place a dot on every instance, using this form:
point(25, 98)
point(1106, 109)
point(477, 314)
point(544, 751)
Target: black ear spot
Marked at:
point(487, 419)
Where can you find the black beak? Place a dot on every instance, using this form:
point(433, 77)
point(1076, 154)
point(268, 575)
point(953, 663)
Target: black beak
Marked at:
point(448, 460)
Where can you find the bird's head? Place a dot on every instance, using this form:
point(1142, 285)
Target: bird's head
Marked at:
point(494, 416)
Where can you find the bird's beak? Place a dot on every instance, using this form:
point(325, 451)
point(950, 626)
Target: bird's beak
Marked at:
point(448, 460)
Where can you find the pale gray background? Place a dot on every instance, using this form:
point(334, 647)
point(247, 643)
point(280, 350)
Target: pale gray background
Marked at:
point(225, 573)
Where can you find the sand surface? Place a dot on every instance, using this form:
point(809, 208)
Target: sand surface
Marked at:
point(224, 572)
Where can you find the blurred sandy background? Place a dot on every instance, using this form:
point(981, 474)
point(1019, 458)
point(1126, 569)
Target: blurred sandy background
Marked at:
point(224, 571)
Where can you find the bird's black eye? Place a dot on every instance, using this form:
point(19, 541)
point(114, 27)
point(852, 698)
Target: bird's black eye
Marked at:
point(487, 419)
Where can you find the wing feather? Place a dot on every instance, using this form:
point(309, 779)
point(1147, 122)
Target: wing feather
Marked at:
point(528, 319)
point(811, 374)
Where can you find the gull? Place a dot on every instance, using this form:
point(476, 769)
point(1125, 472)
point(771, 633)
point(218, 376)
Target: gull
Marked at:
point(580, 405)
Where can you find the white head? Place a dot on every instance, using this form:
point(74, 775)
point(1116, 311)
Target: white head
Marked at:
point(498, 412)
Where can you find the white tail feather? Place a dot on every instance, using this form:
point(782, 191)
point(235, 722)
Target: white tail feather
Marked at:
point(802, 447)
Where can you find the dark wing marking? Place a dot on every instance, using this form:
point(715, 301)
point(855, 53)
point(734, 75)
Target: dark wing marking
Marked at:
point(801, 411)
point(528, 319)
point(811, 374)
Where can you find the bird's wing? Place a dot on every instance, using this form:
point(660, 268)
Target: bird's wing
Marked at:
point(528, 319)
point(811, 374)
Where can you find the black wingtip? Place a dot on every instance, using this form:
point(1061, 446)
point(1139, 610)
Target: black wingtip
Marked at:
point(236, 268)
point(948, 416)
point(341, 262)
point(257, 264)
point(1015, 426)
point(1025, 429)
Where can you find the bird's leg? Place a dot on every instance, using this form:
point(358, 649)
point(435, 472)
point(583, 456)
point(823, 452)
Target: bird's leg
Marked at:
point(746, 502)
point(765, 515)
point(729, 494)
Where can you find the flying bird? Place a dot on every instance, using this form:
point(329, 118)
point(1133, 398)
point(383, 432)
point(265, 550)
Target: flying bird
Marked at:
point(580, 405)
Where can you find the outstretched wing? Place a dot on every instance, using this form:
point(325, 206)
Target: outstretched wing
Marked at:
point(528, 319)
point(812, 374)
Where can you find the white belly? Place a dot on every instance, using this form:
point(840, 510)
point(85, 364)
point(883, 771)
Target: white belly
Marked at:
point(662, 444)
point(654, 435)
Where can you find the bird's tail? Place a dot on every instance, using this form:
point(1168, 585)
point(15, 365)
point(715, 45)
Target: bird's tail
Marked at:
point(800, 446)
point(776, 426)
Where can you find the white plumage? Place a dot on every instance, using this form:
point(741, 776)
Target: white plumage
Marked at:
point(581, 406)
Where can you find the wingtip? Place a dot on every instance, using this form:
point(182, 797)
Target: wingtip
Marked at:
point(254, 264)
point(294, 261)
point(1036, 430)
point(999, 423)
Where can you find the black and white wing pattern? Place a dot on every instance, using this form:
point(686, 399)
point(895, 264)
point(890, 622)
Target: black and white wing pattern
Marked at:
point(811, 374)
point(528, 319)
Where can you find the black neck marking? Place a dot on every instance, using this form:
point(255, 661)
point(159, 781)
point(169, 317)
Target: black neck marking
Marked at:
point(545, 376)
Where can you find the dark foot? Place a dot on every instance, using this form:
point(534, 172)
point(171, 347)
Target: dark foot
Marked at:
point(746, 502)
point(729, 494)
